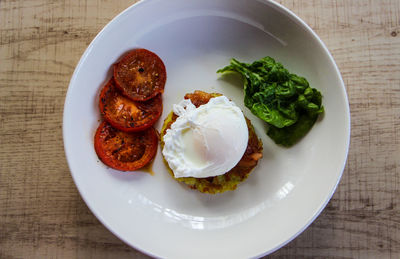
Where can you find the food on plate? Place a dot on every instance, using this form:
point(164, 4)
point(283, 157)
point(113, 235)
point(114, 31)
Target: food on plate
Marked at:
point(125, 151)
point(130, 103)
point(199, 142)
point(282, 99)
point(125, 114)
point(140, 75)
point(208, 143)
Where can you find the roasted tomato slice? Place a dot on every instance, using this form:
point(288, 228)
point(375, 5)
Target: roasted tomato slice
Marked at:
point(125, 151)
point(125, 114)
point(140, 75)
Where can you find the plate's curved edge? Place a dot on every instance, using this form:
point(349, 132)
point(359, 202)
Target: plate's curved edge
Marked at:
point(73, 78)
point(291, 15)
point(297, 19)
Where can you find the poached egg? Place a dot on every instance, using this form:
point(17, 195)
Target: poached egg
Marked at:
point(205, 141)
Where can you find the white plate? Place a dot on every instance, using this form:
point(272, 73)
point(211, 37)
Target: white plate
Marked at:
point(286, 191)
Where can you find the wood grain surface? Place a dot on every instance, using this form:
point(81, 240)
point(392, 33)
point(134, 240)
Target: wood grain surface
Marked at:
point(41, 212)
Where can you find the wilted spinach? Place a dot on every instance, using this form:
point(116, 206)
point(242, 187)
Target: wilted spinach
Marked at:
point(284, 100)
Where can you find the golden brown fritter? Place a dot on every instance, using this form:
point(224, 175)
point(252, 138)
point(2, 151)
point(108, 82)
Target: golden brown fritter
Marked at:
point(236, 175)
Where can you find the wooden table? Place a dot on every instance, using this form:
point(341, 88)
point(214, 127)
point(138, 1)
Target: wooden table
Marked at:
point(41, 212)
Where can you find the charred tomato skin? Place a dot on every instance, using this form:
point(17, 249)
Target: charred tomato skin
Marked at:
point(127, 115)
point(140, 75)
point(125, 151)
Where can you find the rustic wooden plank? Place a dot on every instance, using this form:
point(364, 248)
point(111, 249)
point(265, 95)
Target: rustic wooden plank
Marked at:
point(41, 212)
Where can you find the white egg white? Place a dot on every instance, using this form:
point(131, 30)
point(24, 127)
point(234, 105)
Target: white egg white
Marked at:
point(205, 141)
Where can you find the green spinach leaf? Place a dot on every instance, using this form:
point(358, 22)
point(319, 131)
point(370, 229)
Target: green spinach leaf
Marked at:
point(284, 100)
